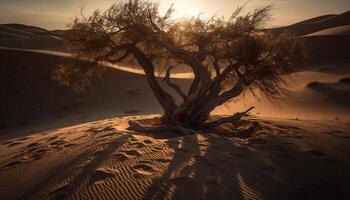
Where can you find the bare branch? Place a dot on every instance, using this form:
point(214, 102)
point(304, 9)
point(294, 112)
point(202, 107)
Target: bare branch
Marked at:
point(177, 88)
point(232, 119)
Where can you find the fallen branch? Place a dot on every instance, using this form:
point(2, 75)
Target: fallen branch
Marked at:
point(232, 119)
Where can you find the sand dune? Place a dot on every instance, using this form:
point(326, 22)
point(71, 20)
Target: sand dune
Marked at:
point(334, 31)
point(316, 24)
point(326, 37)
point(327, 99)
point(30, 37)
point(327, 48)
point(102, 160)
point(25, 30)
point(29, 95)
point(316, 19)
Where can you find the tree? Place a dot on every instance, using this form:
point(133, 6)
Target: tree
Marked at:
point(226, 56)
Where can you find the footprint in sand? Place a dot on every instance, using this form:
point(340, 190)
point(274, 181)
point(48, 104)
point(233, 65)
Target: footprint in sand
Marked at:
point(132, 153)
point(139, 145)
point(12, 164)
point(61, 193)
point(14, 143)
point(133, 139)
point(6, 142)
point(21, 139)
point(144, 169)
point(100, 176)
point(52, 138)
point(147, 141)
point(120, 157)
point(56, 143)
point(69, 145)
point(162, 160)
point(157, 148)
point(108, 128)
point(32, 145)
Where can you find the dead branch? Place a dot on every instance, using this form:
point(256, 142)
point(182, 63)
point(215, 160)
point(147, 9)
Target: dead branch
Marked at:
point(232, 119)
point(177, 88)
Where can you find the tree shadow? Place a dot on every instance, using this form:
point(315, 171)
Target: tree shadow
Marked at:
point(88, 171)
point(178, 170)
point(208, 166)
point(204, 173)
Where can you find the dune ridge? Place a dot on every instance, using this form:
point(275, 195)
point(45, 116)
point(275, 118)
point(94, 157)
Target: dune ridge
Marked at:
point(316, 24)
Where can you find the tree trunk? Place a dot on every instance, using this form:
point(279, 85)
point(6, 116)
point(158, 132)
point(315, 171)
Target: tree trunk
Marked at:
point(164, 98)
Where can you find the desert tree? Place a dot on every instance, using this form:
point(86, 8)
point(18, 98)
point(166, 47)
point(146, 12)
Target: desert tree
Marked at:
point(228, 56)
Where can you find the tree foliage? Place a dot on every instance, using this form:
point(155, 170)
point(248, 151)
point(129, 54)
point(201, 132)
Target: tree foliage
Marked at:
point(226, 56)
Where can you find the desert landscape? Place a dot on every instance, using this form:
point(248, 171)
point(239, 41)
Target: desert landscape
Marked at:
point(59, 144)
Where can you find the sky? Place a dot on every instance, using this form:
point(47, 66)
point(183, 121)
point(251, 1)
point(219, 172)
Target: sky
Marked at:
point(57, 14)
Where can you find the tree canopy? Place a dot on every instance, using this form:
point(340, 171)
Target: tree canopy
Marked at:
point(227, 56)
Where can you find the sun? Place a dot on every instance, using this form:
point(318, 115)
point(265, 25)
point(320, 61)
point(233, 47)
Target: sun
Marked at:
point(182, 8)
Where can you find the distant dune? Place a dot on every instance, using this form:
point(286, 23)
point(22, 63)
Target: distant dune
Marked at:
point(328, 48)
point(316, 24)
point(330, 44)
point(334, 31)
point(29, 95)
point(315, 19)
point(30, 37)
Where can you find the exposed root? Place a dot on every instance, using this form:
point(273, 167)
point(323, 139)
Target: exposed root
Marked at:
point(136, 126)
point(232, 119)
point(182, 128)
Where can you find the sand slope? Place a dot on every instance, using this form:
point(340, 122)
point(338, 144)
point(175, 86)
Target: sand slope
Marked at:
point(32, 101)
point(326, 37)
point(101, 160)
point(328, 99)
point(335, 31)
point(316, 24)
point(30, 37)
point(329, 44)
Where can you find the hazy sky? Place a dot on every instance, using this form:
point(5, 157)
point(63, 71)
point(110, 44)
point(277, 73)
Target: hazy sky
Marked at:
point(56, 14)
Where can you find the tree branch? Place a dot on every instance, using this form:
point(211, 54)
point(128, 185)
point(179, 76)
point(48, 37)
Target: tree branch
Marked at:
point(232, 119)
point(111, 60)
point(163, 97)
point(177, 88)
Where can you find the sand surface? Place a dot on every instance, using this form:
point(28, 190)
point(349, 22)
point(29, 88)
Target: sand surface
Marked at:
point(285, 159)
